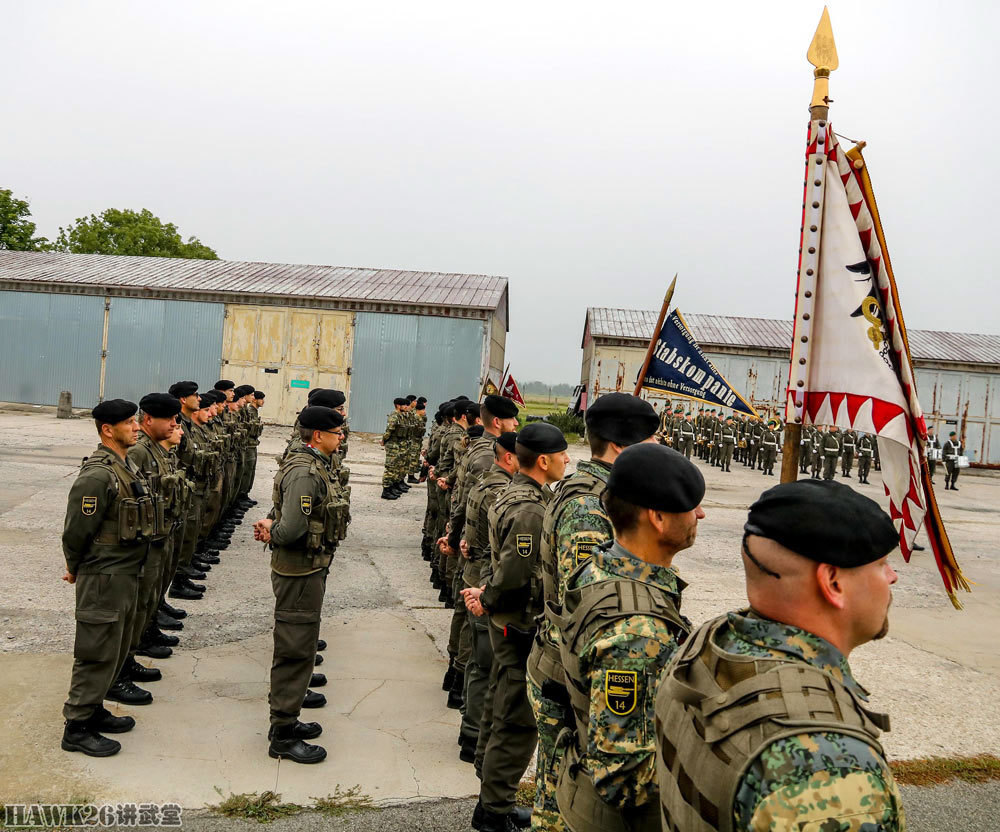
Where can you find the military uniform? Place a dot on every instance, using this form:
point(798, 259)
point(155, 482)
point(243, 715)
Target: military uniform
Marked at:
point(433, 503)
point(727, 443)
point(951, 451)
point(620, 626)
point(687, 434)
point(817, 453)
point(932, 445)
point(786, 766)
point(866, 446)
point(805, 448)
point(830, 443)
point(513, 597)
point(769, 440)
point(110, 520)
point(394, 439)
point(848, 442)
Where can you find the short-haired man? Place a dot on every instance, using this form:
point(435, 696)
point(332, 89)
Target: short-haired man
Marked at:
point(759, 722)
point(110, 519)
point(512, 596)
point(620, 625)
point(951, 451)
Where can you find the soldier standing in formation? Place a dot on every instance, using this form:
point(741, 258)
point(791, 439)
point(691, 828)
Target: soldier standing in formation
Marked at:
point(951, 451)
point(770, 440)
point(819, 585)
point(933, 447)
point(831, 450)
point(866, 449)
point(574, 525)
point(687, 432)
point(620, 624)
point(512, 597)
point(727, 443)
point(848, 442)
point(394, 441)
point(303, 529)
point(806, 448)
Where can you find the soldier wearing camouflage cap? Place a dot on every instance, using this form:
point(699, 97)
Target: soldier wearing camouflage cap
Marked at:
point(760, 723)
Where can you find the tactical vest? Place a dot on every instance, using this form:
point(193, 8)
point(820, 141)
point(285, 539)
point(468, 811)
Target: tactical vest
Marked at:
point(545, 662)
point(512, 495)
point(327, 524)
point(587, 611)
point(158, 483)
point(717, 711)
point(132, 517)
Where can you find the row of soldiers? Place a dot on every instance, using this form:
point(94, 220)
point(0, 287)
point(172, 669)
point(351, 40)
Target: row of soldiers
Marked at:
point(404, 432)
point(822, 447)
point(573, 609)
point(718, 439)
point(149, 513)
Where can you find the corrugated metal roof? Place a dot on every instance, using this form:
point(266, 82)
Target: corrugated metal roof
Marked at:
point(768, 333)
point(470, 291)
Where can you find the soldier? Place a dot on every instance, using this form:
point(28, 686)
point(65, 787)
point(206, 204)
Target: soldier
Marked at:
point(819, 584)
point(574, 525)
point(715, 446)
point(420, 417)
point(848, 442)
point(951, 451)
point(453, 444)
point(475, 545)
point(675, 427)
point(308, 521)
point(933, 450)
point(687, 436)
point(620, 626)
point(663, 431)
point(258, 405)
point(178, 490)
point(831, 450)
point(805, 448)
point(251, 426)
point(431, 513)
point(498, 415)
point(769, 441)
point(866, 445)
point(817, 453)
point(392, 440)
point(512, 596)
point(110, 519)
point(727, 441)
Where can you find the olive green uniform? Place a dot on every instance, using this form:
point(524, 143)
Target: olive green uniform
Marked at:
point(513, 597)
point(770, 438)
point(727, 443)
point(830, 443)
point(110, 519)
point(866, 449)
point(310, 519)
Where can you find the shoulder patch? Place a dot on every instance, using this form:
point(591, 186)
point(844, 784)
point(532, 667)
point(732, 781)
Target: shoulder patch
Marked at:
point(524, 545)
point(306, 504)
point(88, 506)
point(583, 549)
point(620, 688)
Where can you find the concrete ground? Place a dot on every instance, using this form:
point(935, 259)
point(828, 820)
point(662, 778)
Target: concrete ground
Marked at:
point(386, 727)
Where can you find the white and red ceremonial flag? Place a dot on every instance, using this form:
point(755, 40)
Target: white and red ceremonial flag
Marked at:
point(851, 363)
point(510, 390)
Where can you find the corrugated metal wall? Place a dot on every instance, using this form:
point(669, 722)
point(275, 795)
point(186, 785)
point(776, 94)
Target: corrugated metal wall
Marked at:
point(968, 403)
point(50, 343)
point(153, 343)
point(399, 354)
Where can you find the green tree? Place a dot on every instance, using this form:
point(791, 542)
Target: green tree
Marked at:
point(137, 233)
point(17, 231)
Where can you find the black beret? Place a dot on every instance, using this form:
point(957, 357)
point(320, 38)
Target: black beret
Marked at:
point(475, 431)
point(258, 394)
point(460, 399)
point(182, 389)
point(243, 390)
point(421, 400)
point(411, 398)
point(542, 438)
point(654, 476)
point(326, 397)
point(508, 440)
point(206, 399)
point(224, 384)
point(113, 411)
point(825, 521)
point(399, 401)
point(214, 396)
point(448, 410)
point(622, 419)
point(469, 409)
point(315, 417)
point(160, 405)
point(500, 407)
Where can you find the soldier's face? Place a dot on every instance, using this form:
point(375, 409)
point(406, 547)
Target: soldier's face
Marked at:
point(507, 425)
point(190, 402)
point(158, 429)
point(229, 394)
point(176, 434)
point(125, 433)
point(556, 467)
point(679, 531)
point(870, 591)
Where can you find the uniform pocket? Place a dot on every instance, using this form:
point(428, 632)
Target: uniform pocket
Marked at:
point(296, 633)
point(95, 635)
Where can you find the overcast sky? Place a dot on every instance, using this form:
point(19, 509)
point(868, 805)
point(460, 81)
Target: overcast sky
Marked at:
point(586, 151)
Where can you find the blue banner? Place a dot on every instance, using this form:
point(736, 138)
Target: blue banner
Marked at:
point(679, 368)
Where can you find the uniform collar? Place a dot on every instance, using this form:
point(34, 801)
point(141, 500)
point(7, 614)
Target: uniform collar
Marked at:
point(754, 635)
point(496, 469)
point(615, 559)
point(598, 467)
point(524, 479)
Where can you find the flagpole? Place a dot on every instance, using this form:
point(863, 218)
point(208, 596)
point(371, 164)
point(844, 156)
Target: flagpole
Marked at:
point(822, 55)
point(656, 334)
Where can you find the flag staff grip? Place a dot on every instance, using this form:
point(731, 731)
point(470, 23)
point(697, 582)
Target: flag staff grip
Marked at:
point(656, 334)
point(822, 55)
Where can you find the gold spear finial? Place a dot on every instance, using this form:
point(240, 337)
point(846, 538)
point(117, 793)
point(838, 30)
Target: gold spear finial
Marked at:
point(822, 54)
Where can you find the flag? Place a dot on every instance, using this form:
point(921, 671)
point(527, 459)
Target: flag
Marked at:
point(511, 391)
point(678, 367)
point(858, 374)
point(489, 388)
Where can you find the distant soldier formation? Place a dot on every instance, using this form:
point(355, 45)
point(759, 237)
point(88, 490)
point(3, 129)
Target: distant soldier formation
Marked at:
point(567, 643)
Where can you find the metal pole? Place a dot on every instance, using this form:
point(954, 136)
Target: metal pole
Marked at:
point(656, 334)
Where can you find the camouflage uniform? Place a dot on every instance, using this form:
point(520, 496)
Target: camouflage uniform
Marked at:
point(621, 625)
point(433, 503)
point(394, 439)
point(789, 766)
point(575, 524)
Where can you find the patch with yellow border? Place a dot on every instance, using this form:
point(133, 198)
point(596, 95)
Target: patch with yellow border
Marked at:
point(306, 504)
point(89, 506)
point(583, 549)
point(621, 691)
point(523, 543)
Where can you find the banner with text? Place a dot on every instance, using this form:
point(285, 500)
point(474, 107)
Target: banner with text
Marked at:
point(679, 368)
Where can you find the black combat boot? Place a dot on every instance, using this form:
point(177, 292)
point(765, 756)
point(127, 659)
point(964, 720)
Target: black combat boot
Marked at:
point(181, 587)
point(126, 692)
point(467, 750)
point(412, 480)
point(192, 574)
point(154, 636)
point(492, 822)
point(320, 646)
point(79, 736)
point(313, 700)
point(301, 730)
point(165, 622)
point(449, 675)
point(455, 697)
point(190, 584)
point(319, 659)
point(389, 494)
point(318, 680)
point(103, 721)
point(139, 672)
point(402, 486)
point(154, 651)
point(286, 746)
point(173, 612)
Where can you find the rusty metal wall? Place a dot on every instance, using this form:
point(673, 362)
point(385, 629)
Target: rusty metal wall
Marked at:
point(966, 402)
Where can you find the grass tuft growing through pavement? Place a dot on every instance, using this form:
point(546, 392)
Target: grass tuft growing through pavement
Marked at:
point(343, 802)
point(262, 808)
point(525, 795)
point(931, 771)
